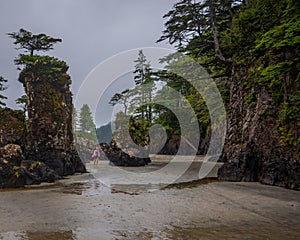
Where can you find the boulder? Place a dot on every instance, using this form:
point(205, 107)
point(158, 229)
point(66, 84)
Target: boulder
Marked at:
point(119, 158)
point(17, 172)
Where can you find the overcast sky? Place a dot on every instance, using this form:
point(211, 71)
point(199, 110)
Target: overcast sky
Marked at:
point(91, 30)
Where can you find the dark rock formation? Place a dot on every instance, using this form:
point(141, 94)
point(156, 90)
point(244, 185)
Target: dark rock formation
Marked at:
point(173, 144)
point(119, 158)
point(12, 127)
point(49, 106)
point(17, 172)
point(254, 150)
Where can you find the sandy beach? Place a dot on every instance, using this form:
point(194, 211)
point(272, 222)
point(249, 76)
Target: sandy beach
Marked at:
point(82, 207)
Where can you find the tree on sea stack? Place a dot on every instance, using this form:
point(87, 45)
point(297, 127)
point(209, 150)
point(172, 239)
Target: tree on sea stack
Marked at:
point(49, 104)
point(22, 102)
point(33, 42)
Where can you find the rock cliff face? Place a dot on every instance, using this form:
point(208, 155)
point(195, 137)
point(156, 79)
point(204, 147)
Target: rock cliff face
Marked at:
point(254, 148)
point(12, 127)
point(50, 136)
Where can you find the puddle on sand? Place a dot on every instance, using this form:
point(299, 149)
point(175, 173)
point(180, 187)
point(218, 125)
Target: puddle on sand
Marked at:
point(30, 235)
point(87, 188)
point(258, 232)
point(93, 187)
point(191, 184)
point(122, 235)
point(243, 231)
point(135, 189)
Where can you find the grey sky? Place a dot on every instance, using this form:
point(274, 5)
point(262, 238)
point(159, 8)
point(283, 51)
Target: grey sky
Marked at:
point(92, 31)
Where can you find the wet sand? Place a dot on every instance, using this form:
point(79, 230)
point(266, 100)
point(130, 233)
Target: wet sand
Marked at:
point(82, 207)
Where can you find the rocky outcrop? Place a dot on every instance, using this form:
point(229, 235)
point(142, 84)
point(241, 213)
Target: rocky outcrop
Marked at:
point(12, 127)
point(49, 107)
point(17, 172)
point(119, 158)
point(254, 150)
point(174, 142)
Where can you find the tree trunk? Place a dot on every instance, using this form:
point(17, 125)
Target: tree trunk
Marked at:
point(213, 20)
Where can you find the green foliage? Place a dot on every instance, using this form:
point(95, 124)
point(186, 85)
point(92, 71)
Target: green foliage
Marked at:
point(250, 99)
point(33, 42)
point(86, 122)
point(185, 20)
point(137, 101)
point(44, 68)
point(144, 86)
point(2, 88)
point(75, 119)
point(122, 98)
point(22, 101)
point(263, 40)
point(139, 129)
point(275, 53)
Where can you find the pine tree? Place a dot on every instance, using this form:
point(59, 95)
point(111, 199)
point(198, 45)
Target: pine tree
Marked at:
point(22, 101)
point(2, 88)
point(75, 119)
point(33, 42)
point(86, 122)
point(144, 87)
point(121, 98)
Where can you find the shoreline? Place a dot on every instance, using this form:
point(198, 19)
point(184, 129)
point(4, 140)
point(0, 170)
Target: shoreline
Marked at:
point(189, 177)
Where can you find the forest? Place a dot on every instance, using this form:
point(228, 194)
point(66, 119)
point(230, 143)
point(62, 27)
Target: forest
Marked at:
point(251, 51)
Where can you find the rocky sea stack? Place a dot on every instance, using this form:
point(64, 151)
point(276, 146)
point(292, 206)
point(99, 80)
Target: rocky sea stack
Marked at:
point(49, 106)
point(43, 145)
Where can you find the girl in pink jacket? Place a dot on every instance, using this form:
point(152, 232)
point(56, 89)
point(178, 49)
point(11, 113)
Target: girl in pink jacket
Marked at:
point(96, 155)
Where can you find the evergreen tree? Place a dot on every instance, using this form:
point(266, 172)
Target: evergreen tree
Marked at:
point(2, 88)
point(36, 65)
point(121, 98)
point(33, 42)
point(144, 87)
point(22, 101)
point(261, 37)
point(75, 119)
point(86, 122)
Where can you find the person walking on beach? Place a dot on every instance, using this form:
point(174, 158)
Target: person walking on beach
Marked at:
point(96, 155)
